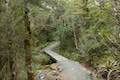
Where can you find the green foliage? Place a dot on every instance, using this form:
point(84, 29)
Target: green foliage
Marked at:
point(87, 29)
point(71, 55)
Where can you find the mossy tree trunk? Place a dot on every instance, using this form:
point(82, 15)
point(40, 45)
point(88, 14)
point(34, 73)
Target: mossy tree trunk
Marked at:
point(27, 42)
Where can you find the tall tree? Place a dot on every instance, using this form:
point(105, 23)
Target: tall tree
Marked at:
point(27, 42)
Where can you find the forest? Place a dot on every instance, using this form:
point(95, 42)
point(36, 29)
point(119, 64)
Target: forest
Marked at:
point(59, 39)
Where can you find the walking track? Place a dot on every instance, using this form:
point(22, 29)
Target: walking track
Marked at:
point(70, 69)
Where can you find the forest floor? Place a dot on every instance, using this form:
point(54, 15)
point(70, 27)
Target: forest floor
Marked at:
point(64, 69)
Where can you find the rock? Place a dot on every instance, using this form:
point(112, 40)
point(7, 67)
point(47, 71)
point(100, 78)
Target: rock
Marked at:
point(51, 77)
point(54, 66)
point(53, 73)
point(40, 75)
point(60, 69)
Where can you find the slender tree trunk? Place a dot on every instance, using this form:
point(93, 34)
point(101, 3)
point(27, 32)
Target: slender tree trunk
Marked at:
point(82, 24)
point(27, 42)
point(75, 39)
point(76, 31)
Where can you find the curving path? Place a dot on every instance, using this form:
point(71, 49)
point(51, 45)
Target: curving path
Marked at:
point(71, 70)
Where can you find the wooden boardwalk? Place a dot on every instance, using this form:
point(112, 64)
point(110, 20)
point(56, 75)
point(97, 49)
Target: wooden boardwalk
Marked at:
point(70, 69)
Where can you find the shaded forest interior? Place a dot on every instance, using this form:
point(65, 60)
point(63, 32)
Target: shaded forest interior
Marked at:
point(88, 31)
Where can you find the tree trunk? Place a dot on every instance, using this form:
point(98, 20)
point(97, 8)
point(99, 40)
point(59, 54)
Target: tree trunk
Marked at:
point(27, 42)
point(80, 25)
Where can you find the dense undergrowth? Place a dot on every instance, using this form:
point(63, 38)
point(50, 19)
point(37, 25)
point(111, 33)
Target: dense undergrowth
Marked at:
point(89, 32)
